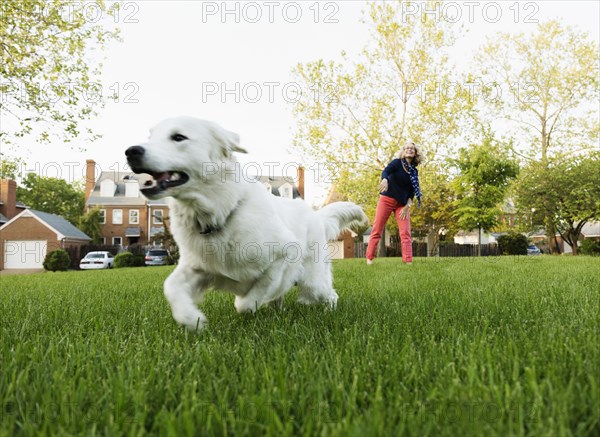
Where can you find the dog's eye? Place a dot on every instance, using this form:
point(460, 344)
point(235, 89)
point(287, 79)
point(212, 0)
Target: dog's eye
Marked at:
point(178, 138)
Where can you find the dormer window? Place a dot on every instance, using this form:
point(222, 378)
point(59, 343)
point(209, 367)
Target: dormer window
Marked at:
point(286, 190)
point(132, 188)
point(107, 188)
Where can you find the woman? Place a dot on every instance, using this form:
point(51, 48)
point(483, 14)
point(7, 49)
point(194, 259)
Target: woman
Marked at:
point(399, 185)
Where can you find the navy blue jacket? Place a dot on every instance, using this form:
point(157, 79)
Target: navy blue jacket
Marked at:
point(399, 185)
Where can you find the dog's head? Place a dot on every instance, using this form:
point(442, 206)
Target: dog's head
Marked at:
point(181, 150)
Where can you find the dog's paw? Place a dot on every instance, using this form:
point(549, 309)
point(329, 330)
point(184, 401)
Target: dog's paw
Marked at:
point(193, 321)
point(331, 300)
point(245, 305)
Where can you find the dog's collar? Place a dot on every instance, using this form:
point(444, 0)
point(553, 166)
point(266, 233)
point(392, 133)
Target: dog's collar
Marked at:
point(213, 229)
point(209, 229)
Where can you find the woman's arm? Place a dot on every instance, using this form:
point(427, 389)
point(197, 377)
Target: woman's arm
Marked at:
point(385, 174)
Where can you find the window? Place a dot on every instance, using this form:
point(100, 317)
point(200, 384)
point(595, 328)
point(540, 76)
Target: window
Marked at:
point(102, 216)
point(117, 217)
point(116, 241)
point(158, 217)
point(102, 240)
point(134, 216)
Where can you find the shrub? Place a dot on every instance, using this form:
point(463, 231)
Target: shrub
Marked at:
point(139, 260)
point(57, 260)
point(173, 258)
point(124, 259)
point(513, 244)
point(589, 247)
point(128, 259)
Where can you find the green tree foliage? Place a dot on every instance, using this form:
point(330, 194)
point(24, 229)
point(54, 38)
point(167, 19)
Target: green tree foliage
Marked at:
point(10, 168)
point(57, 260)
point(567, 190)
point(552, 81)
point(550, 87)
point(357, 116)
point(485, 173)
point(436, 216)
point(50, 67)
point(90, 223)
point(52, 195)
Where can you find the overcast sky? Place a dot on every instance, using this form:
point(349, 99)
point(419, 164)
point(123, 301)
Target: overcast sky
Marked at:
point(231, 63)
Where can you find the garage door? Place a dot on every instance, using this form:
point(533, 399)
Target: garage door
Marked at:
point(24, 254)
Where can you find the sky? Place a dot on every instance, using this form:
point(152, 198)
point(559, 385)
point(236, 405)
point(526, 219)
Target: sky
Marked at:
point(231, 62)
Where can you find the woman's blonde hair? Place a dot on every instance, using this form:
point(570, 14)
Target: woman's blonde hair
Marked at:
point(417, 158)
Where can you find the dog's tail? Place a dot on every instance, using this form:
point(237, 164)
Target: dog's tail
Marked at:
point(338, 216)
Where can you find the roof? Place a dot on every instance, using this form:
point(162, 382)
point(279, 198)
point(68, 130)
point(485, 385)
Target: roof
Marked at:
point(56, 223)
point(119, 178)
point(591, 229)
point(276, 182)
point(3, 219)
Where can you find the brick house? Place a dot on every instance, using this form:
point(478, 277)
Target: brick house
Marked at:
point(29, 236)
point(130, 218)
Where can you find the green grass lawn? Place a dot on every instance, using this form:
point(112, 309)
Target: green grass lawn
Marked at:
point(491, 346)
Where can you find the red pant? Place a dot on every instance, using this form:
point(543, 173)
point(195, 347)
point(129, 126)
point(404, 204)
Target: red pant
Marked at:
point(385, 206)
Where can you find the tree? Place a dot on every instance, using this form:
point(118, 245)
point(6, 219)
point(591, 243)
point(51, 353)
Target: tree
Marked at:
point(48, 77)
point(52, 195)
point(485, 173)
point(91, 224)
point(436, 216)
point(357, 115)
point(567, 190)
point(552, 79)
point(168, 241)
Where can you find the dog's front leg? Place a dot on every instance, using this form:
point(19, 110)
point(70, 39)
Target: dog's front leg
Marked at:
point(269, 288)
point(182, 287)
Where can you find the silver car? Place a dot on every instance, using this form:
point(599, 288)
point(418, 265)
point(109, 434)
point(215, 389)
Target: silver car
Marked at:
point(156, 257)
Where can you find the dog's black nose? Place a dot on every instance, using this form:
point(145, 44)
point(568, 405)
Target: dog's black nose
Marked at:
point(134, 152)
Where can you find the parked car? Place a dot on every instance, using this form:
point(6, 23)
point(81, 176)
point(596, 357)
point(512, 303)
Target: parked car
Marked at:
point(156, 257)
point(97, 260)
point(532, 249)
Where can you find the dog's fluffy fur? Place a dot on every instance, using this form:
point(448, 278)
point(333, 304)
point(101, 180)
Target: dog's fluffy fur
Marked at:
point(232, 233)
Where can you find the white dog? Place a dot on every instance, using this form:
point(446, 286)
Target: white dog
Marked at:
point(232, 233)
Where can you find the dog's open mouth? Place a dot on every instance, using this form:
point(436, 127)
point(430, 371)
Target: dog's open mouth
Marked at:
point(162, 181)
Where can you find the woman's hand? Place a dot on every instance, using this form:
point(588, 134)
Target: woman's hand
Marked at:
point(383, 185)
point(405, 212)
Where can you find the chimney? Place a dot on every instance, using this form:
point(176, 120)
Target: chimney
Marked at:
point(301, 181)
point(8, 197)
point(90, 178)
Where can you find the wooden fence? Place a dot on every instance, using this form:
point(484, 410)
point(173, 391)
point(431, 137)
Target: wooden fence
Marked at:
point(420, 250)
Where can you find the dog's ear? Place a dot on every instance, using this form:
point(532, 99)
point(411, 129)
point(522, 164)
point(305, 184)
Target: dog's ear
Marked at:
point(230, 141)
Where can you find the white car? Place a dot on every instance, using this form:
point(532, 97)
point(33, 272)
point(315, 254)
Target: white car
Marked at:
point(97, 260)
